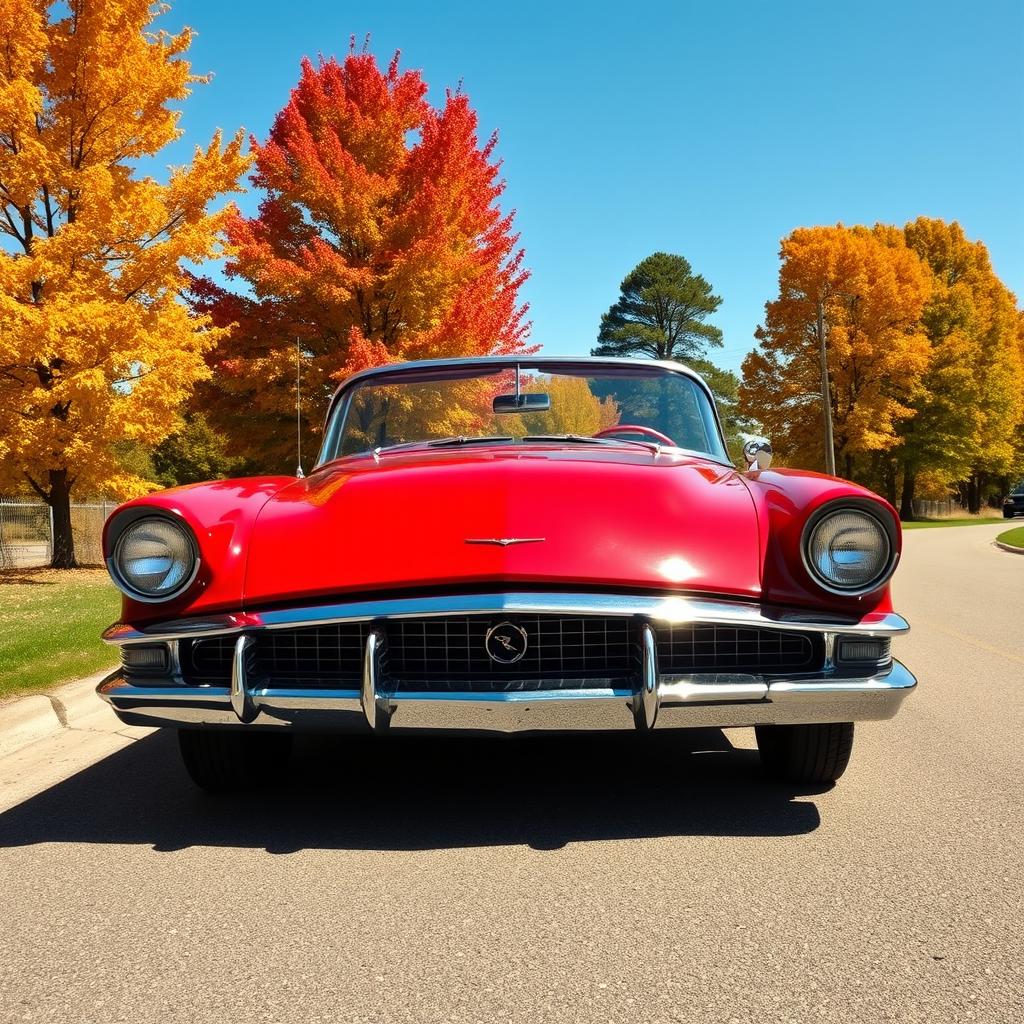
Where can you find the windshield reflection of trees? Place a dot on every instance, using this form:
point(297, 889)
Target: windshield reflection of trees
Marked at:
point(383, 415)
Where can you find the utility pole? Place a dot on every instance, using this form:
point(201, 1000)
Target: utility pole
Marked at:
point(298, 407)
point(826, 392)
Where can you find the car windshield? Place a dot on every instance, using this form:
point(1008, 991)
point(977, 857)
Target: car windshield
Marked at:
point(481, 404)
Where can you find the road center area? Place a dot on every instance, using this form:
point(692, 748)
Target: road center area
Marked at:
point(557, 880)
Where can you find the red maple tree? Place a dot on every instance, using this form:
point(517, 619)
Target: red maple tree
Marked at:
point(379, 239)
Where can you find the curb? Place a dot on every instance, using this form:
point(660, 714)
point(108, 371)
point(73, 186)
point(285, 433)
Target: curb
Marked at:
point(1008, 547)
point(37, 716)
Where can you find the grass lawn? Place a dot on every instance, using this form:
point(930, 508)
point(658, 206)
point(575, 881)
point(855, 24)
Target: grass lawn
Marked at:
point(929, 524)
point(1015, 538)
point(50, 621)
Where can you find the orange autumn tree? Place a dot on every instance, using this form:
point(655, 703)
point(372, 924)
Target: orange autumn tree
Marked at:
point(871, 296)
point(379, 239)
point(95, 346)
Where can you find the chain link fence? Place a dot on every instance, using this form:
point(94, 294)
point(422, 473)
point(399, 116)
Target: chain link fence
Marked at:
point(26, 532)
point(938, 509)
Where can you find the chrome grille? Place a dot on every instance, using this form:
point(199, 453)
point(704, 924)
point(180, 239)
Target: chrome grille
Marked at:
point(207, 661)
point(449, 653)
point(315, 656)
point(697, 647)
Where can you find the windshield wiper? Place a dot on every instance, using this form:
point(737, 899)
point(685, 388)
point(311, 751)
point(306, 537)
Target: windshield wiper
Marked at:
point(441, 442)
point(486, 439)
point(651, 446)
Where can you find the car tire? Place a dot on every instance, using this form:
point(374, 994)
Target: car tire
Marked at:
point(228, 760)
point(1007, 515)
point(805, 753)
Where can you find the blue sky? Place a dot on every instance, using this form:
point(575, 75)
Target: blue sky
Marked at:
point(708, 129)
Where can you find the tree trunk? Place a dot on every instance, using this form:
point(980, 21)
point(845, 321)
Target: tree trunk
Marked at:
point(60, 507)
point(982, 490)
point(973, 495)
point(826, 392)
point(907, 494)
point(889, 477)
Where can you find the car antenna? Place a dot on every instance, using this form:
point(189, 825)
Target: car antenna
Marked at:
point(298, 407)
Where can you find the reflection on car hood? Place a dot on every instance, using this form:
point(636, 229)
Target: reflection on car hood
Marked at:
point(590, 517)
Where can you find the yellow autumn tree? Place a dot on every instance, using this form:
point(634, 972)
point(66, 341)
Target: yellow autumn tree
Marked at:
point(95, 346)
point(870, 296)
point(969, 408)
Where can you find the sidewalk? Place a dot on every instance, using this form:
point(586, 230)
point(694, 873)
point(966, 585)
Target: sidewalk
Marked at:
point(45, 737)
point(33, 717)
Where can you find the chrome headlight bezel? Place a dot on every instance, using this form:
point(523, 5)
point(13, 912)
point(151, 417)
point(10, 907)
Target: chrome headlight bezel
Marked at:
point(119, 533)
point(887, 531)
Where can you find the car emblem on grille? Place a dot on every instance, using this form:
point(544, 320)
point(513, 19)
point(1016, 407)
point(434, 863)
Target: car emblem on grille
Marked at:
point(505, 541)
point(506, 643)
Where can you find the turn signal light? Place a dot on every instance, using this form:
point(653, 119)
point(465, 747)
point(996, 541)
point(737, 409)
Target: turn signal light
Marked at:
point(867, 649)
point(144, 656)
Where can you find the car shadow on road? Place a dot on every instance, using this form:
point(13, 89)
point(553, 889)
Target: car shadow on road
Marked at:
point(426, 793)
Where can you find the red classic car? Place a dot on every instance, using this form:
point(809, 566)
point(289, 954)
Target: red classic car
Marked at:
point(509, 544)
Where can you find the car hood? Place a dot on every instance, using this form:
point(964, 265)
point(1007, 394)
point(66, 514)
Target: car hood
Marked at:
point(620, 517)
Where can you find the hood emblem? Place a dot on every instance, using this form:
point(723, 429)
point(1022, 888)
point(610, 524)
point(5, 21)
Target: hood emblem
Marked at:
point(506, 643)
point(505, 541)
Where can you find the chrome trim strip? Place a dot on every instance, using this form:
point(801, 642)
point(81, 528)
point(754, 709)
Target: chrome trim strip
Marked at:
point(299, 700)
point(543, 711)
point(416, 365)
point(683, 704)
point(896, 679)
point(510, 696)
point(174, 629)
point(658, 608)
point(505, 541)
point(712, 688)
point(116, 688)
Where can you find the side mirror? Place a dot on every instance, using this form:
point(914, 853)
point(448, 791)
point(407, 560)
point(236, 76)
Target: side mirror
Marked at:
point(758, 454)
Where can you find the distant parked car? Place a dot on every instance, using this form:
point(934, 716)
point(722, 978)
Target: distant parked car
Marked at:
point(1013, 503)
point(503, 545)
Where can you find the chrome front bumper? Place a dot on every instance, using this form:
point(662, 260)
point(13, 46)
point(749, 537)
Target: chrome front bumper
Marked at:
point(679, 706)
point(656, 701)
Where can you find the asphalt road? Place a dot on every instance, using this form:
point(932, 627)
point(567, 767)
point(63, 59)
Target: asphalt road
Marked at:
point(556, 881)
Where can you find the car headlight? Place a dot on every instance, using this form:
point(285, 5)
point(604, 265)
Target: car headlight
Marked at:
point(849, 551)
point(154, 559)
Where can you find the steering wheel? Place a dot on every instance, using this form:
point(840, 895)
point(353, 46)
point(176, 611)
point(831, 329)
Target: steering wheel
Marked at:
point(632, 428)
